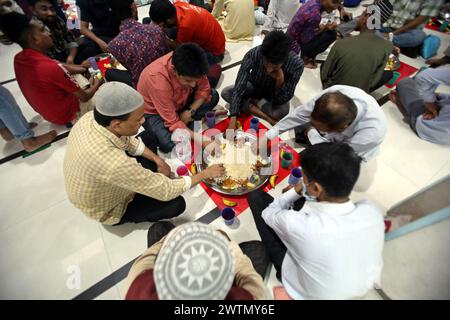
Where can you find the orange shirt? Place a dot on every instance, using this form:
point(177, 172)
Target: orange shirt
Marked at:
point(165, 95)
point(197, 25)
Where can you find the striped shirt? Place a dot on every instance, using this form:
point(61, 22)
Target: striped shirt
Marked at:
point(407, 10)
point(252, 70)
point(101, 179)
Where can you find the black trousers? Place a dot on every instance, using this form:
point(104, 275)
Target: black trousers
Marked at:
point(276, 250)
point(89, 48)
point(255, 250)
point(123, 76)
point(144, 208)
point(318, 44)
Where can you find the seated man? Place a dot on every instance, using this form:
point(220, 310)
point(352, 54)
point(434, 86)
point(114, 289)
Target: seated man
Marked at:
point(270, 71)
point(194, 24)
point(427, 113)
point(236, 18)
point(46, 84)
point(65, 47)
point(13, 124)
point(322, 245)
point(348, 65)
point(176, 92)
point(338, 114)
point(309, 37)
point(209, 266)
point(280, 14)
point(8, 6)
point(406, 23)
point(136, 46)
point(408, 20)
point(105, 26)
point(113, 177)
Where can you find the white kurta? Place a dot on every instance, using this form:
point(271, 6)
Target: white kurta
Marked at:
point(280, 13)
point(334, 250)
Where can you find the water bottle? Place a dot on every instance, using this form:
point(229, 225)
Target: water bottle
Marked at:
point(73, 17)
point(94, 69)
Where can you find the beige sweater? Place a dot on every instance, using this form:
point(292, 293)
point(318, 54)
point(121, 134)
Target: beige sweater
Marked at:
point(246, 277)
point(237, 18)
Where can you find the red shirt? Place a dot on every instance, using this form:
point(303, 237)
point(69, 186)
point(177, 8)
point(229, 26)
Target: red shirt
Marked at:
point(165, 95)
point(144, 288)
point(197, 25)
point(47, 86)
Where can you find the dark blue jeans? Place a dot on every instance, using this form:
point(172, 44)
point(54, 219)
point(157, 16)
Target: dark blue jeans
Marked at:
point(155, 123)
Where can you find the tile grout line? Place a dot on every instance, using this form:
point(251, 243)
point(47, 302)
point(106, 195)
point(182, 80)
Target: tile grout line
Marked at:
point(7, 81)
point(113, 279)
point(108, 257)
point(34, 215)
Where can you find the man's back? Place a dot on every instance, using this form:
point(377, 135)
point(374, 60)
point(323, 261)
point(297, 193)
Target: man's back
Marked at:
point(92, 160)
point(334, 251)
point(137, 46)
point(197, 25)
point(47, 86)
point(357, 61)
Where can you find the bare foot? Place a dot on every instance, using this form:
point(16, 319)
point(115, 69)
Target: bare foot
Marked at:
point(393, 96)
point(6, 134)
point(310, 63)
point(36, 142)
point(434, 61)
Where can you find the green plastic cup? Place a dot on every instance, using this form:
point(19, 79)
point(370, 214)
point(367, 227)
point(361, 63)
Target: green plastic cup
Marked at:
point(286, 160)
point(394, 78)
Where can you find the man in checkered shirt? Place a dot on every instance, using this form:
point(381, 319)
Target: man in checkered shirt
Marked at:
point(405, 27)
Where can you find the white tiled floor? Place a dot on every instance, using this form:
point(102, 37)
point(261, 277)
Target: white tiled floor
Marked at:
point(43, 235)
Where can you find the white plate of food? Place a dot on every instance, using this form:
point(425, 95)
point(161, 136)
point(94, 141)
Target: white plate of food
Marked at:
point(245, 170)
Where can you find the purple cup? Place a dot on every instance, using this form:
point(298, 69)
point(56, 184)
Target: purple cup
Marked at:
point(228, 215)
point(296, 175)
point(254, 124)
point(210, 119)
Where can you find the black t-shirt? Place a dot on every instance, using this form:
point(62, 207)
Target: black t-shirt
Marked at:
point(98, 13)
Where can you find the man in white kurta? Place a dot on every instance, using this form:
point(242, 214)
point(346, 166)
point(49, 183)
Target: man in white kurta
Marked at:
point(280, 13)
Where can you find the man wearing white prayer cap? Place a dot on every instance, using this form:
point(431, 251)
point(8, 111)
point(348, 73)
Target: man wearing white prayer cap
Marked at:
point(114, 177)
point(195, 262)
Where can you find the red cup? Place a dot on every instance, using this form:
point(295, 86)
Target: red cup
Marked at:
point(182, 171)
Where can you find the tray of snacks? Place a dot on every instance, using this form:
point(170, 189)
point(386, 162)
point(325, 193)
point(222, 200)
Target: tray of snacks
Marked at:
point(245, 170)
point(393, 63)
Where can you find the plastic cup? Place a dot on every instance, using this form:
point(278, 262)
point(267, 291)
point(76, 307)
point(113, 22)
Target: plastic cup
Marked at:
point(296, 175)
point(182, 171)
point(254, 123)
point(228, 216)
point(394, 78)
point(286, 160)
point(210, 119)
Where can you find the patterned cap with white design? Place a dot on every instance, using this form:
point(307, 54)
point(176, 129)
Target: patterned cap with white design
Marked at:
point(195, 263)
